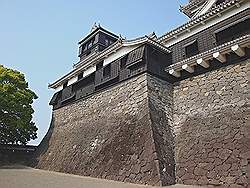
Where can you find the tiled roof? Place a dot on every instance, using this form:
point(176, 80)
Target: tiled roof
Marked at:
point(94, 31)
point(117, 45)
point(191, 5)
point(92, 59)
point(198, 20)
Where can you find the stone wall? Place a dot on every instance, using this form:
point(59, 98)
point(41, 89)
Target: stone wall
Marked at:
point(160, 97)
point(147, 131)
point(114, 135)
point(212, 130)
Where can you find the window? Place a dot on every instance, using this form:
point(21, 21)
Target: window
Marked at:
point(89, 80)
point(80, 76)
point(99, 65)
point(65, 84)
point(191, 49)
point(123, 62)
point(107, 71)
point(80, 50)
point(232, 32)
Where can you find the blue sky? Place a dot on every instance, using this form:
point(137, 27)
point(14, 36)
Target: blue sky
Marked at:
point(39, 38)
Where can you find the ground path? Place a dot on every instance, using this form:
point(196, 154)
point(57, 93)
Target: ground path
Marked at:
point(24, 177)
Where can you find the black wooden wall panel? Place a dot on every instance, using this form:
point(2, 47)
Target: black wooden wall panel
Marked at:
point(67, 93)
point(136, 55)
point(85, 91)
point(206, 39)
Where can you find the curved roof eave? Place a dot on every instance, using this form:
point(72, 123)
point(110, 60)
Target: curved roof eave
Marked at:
point(198, 20)
point(91, 60)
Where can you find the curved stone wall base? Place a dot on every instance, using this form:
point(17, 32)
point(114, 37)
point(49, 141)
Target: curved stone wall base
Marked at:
point(117, 134)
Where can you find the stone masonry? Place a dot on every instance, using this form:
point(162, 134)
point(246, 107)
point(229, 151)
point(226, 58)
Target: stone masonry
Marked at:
point(120, 134)
point(148, 131)
point(212, 130)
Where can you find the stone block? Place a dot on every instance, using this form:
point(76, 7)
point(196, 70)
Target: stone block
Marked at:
point(138, 130)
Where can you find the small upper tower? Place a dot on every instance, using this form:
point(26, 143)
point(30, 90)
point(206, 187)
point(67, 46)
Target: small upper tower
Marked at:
point(96, 41)
point(195, 8)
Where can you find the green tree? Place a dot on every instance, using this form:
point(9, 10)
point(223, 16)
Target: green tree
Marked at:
point(16, 126)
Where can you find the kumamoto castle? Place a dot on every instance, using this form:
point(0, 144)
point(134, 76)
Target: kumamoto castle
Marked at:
point(158, 110)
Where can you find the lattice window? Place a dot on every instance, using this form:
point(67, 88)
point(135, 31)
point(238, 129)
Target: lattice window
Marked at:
point(107, 71)
point(233, 32)
point(191, 49)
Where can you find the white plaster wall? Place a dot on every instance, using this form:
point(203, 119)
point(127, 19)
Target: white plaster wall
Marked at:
point(72, 80)
point(121, 52)
point(89, 70)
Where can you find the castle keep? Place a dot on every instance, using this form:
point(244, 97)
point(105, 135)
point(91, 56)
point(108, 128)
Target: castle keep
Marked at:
point(158, 110)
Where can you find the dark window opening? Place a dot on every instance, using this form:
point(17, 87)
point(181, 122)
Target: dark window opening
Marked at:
point(123, 62)
point(107, 71)
point(83, 82)
point(65, 84)
point(80, 76)
point(99, 65)
point(233, 32)
point(191, 49)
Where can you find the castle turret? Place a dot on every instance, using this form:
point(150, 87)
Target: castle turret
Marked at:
point(98, 39)
point(158, 110)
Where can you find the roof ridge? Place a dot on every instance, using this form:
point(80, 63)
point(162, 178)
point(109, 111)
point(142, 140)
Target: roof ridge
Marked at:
point(192, 4)
point(198, 19)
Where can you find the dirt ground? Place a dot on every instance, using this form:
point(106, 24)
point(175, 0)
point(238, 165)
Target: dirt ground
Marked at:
point(25, 177)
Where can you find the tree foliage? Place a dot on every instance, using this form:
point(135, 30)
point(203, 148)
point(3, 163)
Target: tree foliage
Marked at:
point(16, 126)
